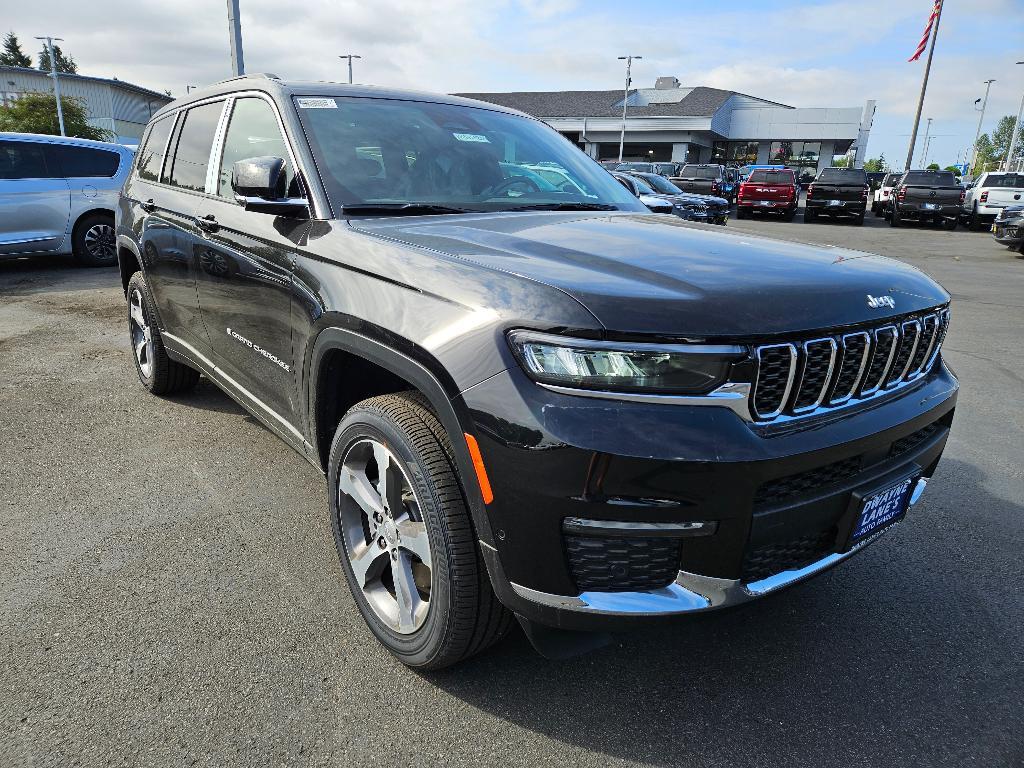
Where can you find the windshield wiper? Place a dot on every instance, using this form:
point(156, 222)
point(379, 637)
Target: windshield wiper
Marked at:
point(401, 209)
point(564, 207)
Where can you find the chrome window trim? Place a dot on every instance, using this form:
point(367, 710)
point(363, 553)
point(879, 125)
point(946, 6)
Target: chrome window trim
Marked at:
point(888, 363)
point(789, 381)
point(864, 358)
point(828, 376)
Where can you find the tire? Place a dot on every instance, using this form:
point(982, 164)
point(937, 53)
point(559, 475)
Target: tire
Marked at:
point(789, 215)
point(974, 221)
point(874, 208)
point(462, 615)
point(157, 371)
point(741, 213)
point(950, 224)
point(809, 217)
point(878, 211)
point(93, 241)
point(894, 219)
point(859, 221)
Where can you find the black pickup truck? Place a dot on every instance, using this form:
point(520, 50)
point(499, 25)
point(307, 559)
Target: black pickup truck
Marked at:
point(838, 192)
point(704, 179)
point(926, 196)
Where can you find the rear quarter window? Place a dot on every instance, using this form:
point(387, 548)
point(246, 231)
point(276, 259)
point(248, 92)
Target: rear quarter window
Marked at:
point(85, 162)
point(151, 154)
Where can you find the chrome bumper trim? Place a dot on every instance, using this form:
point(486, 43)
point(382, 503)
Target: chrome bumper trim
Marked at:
point(692, 592)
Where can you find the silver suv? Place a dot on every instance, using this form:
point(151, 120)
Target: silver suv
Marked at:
point(57, 195)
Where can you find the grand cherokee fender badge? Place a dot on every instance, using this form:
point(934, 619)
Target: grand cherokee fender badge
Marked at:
point(259, 350)
point(881, 301)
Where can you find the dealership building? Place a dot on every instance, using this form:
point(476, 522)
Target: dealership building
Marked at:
point(111, 104)
point(698, 125)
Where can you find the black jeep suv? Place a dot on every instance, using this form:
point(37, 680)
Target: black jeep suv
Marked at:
point(527, 399)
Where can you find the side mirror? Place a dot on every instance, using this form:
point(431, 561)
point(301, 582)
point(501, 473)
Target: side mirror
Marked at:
point(259, 185)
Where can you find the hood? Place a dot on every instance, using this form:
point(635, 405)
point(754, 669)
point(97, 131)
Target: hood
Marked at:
point(659, 275)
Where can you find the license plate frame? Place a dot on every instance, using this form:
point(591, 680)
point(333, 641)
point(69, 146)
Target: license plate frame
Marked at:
point(835, 203)
point(930, 206)
point(765, 203)
point(886, 511)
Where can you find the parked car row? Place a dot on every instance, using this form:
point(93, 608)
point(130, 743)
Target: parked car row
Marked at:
point(662, 196)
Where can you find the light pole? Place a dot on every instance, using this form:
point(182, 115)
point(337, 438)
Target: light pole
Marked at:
point(350, 56)
point(977, 133)
point(625, 100)
point(235, 38)
point(53, 74)
point(1013, 134)
point(188, 89)
point(927, 131)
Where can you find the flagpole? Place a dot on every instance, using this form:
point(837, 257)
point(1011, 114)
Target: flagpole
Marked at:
point(924, 87)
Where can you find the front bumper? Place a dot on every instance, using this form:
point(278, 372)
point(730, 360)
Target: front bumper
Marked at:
point(553, 457)
point(1009, 231)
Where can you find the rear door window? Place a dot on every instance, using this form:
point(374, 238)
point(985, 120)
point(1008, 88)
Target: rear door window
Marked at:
point(151, 154)
point(192, 152)
point(85, 162)
point(25, 160)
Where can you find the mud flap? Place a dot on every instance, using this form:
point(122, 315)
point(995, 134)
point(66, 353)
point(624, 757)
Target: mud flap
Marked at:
point(558, 644)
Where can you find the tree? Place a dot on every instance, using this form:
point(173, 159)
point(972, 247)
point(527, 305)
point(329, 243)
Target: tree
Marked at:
point(840, 162)
point(985, 157)
point(876, 164)
point(933, 167)
point(990, 152)
point(65, 64)
point(953, 169)
point(11, 54)
point(37, 113)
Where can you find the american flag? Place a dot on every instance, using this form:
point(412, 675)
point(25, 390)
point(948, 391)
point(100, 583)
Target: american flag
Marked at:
point(927, 32)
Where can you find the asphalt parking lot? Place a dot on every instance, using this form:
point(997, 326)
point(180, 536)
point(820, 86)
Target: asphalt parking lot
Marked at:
point(170, 592)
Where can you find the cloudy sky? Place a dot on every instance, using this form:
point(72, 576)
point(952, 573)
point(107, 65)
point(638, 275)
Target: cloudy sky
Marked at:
point(811, 54)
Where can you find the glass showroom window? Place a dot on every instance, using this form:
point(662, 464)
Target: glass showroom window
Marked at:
point(742, 152)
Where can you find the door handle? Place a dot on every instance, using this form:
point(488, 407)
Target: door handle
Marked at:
point(148, 205)
point(207, 223)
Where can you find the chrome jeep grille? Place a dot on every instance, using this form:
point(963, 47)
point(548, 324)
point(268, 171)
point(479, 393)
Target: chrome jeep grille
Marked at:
point(798, 378)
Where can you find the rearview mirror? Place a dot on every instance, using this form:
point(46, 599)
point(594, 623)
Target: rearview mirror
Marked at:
point(259, 185)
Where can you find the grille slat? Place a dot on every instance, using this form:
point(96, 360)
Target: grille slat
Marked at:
point(794, 379)
point(622, 564)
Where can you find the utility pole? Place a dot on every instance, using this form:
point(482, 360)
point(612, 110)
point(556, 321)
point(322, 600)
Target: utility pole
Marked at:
point(625, 100)
point(350, 56)
point(924, 87)
point(235, 36)
point(927, 131)
point(1013, 135)
point(977, 133)
point(56, 83)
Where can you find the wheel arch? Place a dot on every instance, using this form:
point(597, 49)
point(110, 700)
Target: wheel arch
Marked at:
point(372, 368)
point(128, 260)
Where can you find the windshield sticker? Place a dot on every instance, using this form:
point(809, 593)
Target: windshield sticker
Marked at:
point(472, 137)
point(316, 103)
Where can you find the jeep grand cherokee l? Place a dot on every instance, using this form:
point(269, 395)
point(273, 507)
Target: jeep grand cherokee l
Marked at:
point(545, 403)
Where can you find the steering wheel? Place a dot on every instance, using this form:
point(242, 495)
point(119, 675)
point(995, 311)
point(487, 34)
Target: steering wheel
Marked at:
point(527, 184)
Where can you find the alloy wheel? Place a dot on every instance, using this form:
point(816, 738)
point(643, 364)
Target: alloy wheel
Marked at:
point(99, 241)
point(385, 538)
point(142, 338)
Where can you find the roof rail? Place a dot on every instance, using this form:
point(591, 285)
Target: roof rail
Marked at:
point(254, 75)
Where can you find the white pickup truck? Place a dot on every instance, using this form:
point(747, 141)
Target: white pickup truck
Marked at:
point(880, 200)
point(989, 195)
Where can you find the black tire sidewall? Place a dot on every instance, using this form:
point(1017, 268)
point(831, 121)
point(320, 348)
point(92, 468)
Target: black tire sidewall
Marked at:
point(426, 643)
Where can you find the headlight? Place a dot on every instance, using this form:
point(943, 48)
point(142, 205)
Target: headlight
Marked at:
point(624, 366)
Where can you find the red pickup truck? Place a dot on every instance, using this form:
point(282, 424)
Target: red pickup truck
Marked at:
point(772, 191)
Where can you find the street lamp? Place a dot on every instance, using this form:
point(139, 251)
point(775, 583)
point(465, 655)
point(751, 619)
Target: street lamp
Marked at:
point(625, 99)
point(188, 89)
point(924, 152)
point(977, 134)
point(53, 74)
point(350, 56)
point(1013, 134)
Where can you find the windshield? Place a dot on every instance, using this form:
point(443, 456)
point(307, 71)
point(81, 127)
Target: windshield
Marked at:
point(643, 187)
point(633, 167)
point(663, 185)
point(771, 177)
point(700, 172)
point(387, 153)
point(930, 179)
point(843, 176)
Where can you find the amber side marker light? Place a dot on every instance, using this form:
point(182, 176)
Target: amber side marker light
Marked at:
point(481, 471)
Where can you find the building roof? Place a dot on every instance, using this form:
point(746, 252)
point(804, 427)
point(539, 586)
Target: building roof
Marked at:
point(700, 101)
point(108, 80)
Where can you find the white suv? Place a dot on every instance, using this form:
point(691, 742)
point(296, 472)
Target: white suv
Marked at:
point(989, 195)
